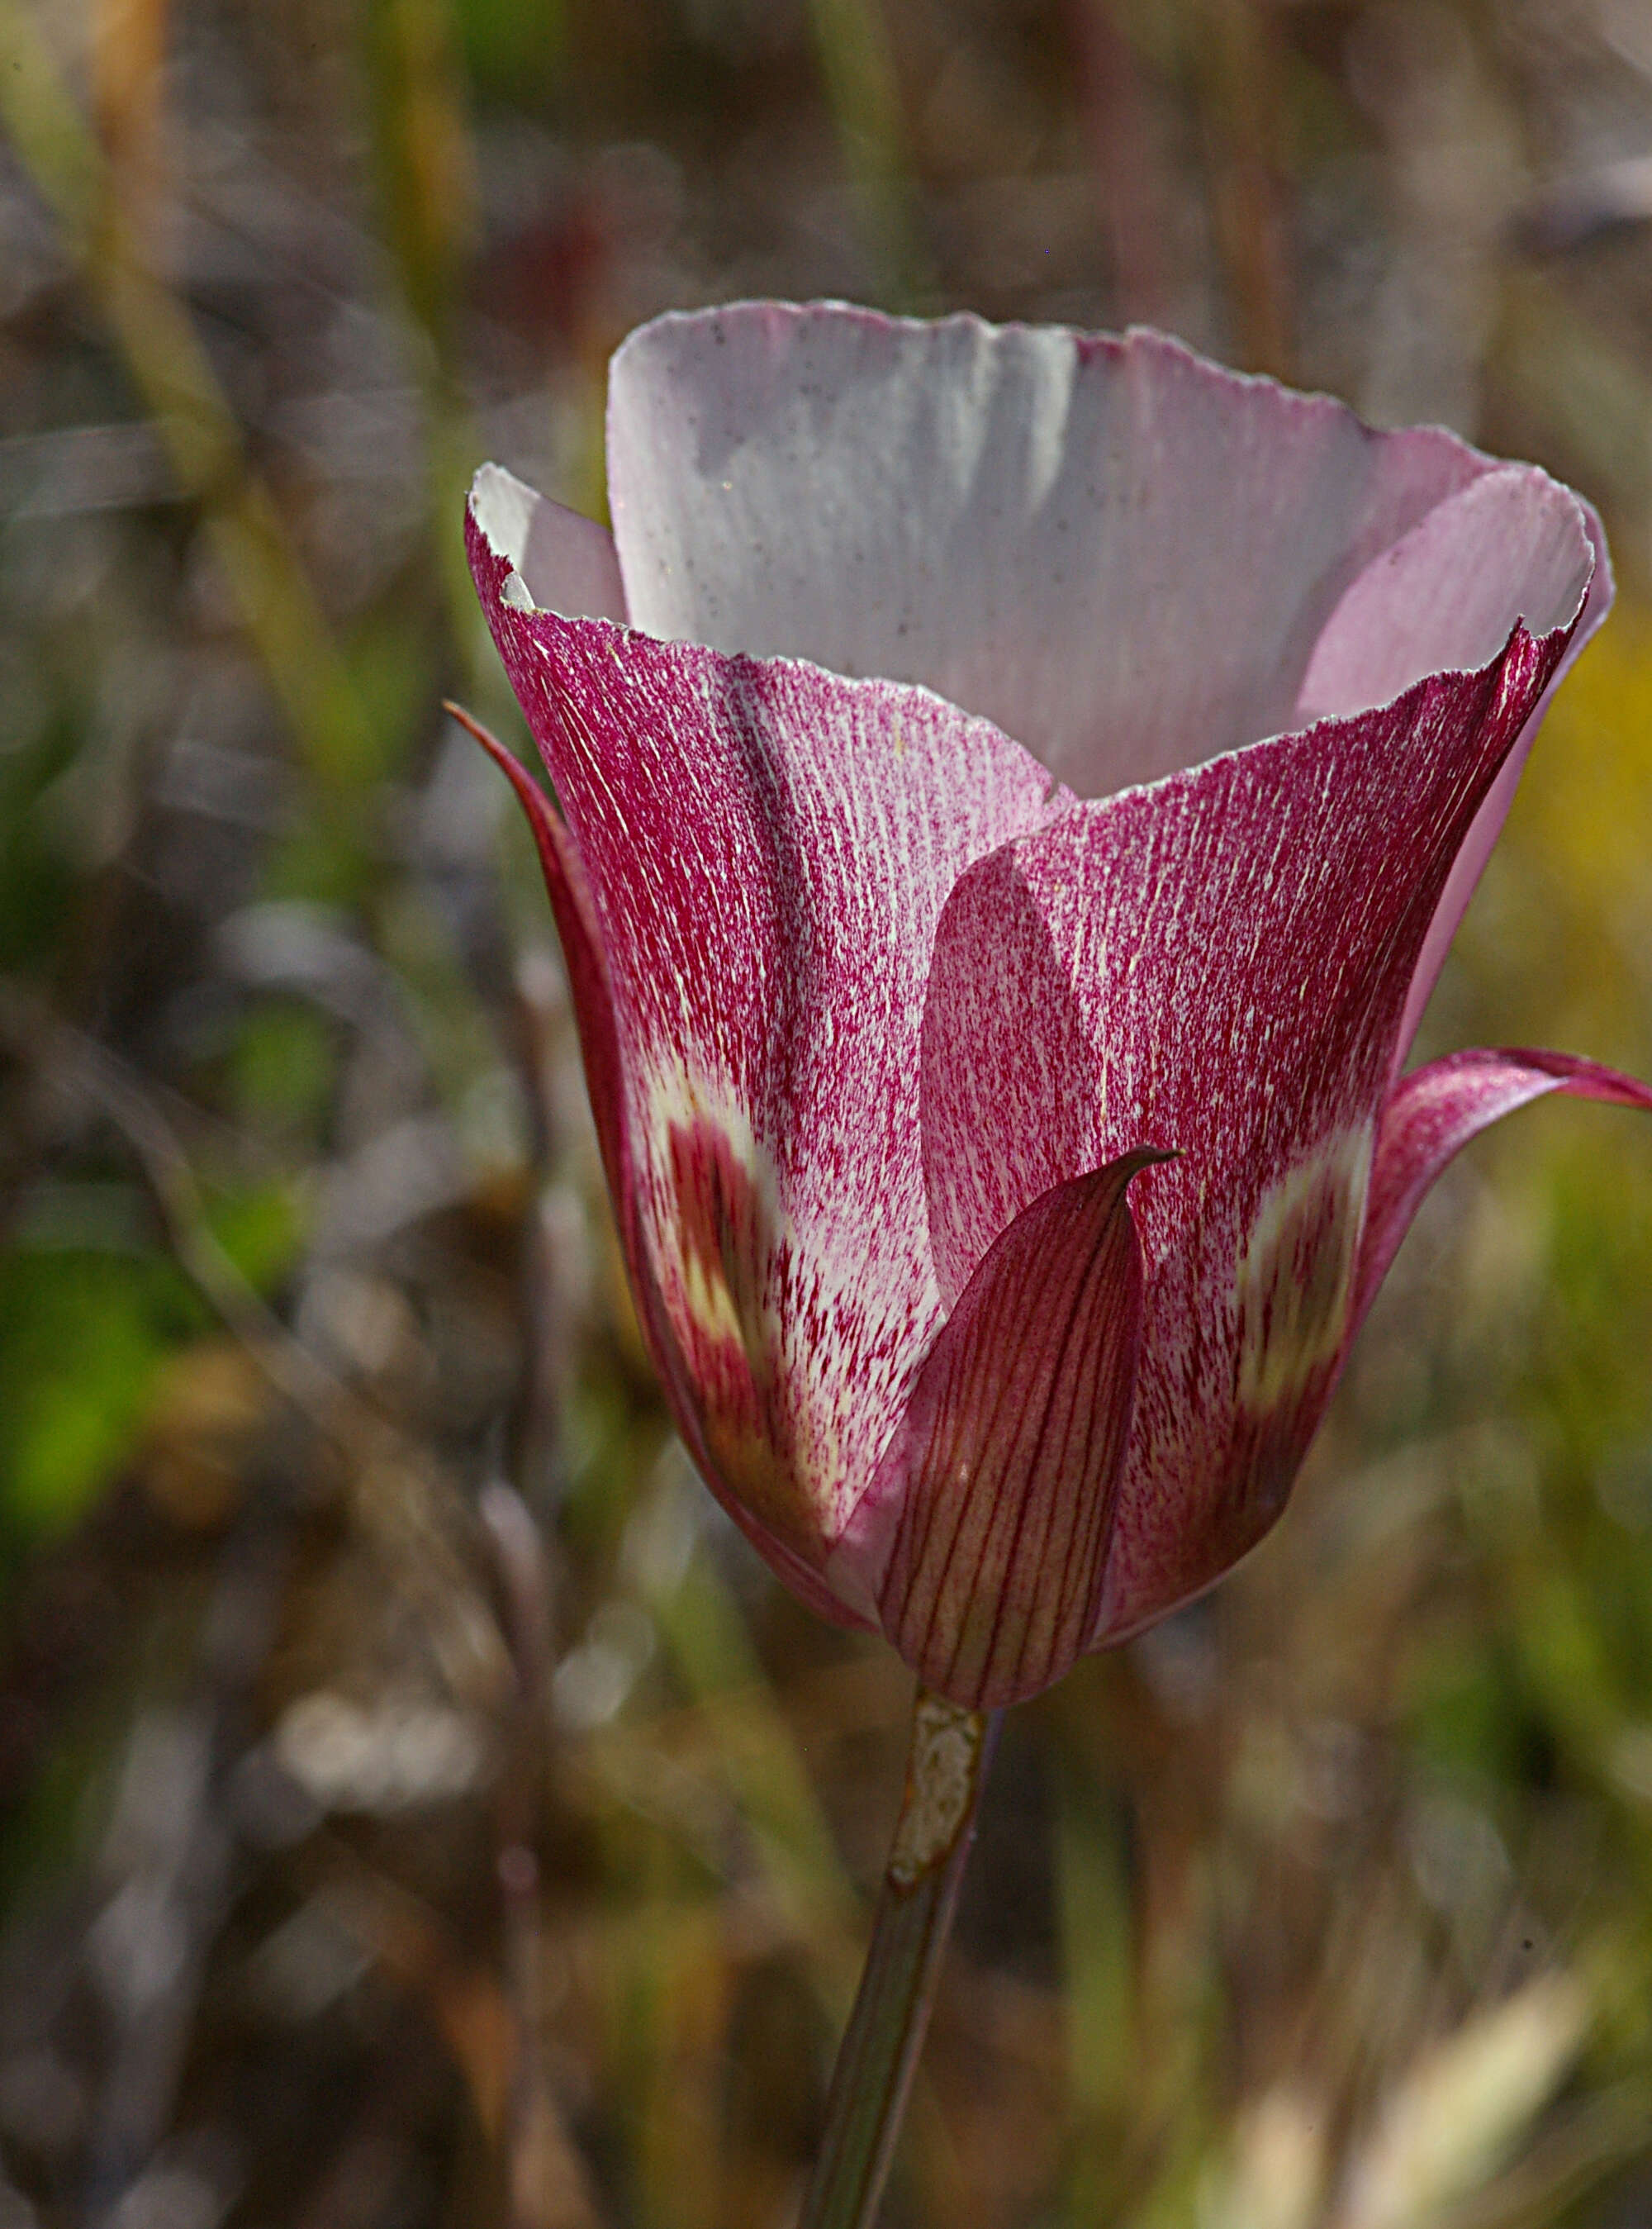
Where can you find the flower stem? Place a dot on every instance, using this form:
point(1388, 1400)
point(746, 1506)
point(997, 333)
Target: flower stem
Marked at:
point(951, 1748)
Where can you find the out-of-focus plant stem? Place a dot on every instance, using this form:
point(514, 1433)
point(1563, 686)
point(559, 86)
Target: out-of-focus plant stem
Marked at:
point(1237, 69)
point(426, 168)
point(858, 73)
point(1133, 187)
point(712, 1654)
point(547, 2184)
point(951, 1749)
point(30, 1030)
point(174, 380)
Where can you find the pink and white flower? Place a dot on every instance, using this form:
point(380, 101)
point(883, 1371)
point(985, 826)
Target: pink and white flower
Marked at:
point(1018, 789)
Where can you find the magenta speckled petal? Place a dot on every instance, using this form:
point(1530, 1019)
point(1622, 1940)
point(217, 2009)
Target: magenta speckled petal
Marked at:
point(1217, 964)
point(1437, 1110)
point(594, 1011)
point(1475, 850)
point(767, 850)
point(879, 1020)
point(1123, 555)
point(985, 1532)
point(587, 972)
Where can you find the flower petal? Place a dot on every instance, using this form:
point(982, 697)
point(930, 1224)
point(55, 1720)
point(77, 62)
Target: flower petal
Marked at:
point(1121, 553)
point(1509, 546)
point(767, 850)
point(599, 1045)
point(1470, 861)
point(990, 1514)
point(1435, 1112)
point(592, 996)
point(1217, 964)
point(564, 562)
point(1513, 544)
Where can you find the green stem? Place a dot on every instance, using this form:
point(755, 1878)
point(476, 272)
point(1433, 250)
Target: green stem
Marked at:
point(951, 1748)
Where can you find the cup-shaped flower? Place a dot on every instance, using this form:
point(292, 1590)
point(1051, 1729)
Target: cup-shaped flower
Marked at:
point(1017, 790)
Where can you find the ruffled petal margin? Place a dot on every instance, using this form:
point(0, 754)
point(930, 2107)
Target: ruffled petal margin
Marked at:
point(1121, 553)
point(564, 562)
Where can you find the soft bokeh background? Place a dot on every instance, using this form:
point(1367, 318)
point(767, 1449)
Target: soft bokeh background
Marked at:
point(418, 1807)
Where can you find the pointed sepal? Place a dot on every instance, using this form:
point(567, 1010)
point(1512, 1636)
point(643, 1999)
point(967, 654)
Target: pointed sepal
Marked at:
point(593, 1005)
point(998, 1484)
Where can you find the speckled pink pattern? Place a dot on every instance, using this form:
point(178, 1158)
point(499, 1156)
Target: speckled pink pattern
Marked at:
point(768, 848)
point(880, 1019)
point(1216, 964)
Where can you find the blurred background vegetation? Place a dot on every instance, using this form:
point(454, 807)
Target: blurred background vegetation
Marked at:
point(416, 1806)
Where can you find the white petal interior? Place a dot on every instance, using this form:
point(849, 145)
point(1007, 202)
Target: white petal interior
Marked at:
point(561, 561)
point(1122, 555)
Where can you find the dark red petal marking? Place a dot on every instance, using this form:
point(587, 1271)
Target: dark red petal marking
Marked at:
point(1435, 1112)
point(1000, 1477)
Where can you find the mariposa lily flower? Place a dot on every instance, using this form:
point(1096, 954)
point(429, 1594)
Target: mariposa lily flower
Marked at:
point(1019, 789)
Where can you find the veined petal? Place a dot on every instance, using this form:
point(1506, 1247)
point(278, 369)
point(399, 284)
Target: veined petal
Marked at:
point(1434, 1113)
point(985, 1534)
point(1470, 862)
point(594, 1011)
point(582, 955)
point(1119, 552)
point(1513, 544)
point(767, 848)
point(1216, 964)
